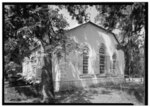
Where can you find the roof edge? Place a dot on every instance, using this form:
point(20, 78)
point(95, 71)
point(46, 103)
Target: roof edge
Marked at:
point(98, 27)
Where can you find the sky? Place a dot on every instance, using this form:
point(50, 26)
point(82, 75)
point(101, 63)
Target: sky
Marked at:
point(73, 23)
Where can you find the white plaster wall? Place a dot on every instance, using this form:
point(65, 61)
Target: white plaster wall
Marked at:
point(31, 70)
point(92, 36)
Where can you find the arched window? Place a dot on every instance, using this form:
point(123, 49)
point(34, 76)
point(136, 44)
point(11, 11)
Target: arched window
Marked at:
point(114, 61)
point(85, 59)
point(102, 49)
point(102, 58)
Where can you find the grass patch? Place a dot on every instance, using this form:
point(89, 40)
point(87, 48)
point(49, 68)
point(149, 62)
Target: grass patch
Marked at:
point(135, 89)
point(19, 93)
point(139, 93)
point(30, 94)
point(72, 94)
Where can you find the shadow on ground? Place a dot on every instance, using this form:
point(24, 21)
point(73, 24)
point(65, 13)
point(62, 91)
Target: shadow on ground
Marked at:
point(17, 94)
point(28, 91)
point(77, 96)
point(30, 94)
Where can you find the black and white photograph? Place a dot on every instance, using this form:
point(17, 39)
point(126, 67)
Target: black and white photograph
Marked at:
point(75, 53)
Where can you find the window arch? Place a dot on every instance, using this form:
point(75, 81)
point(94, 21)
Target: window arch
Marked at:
point(102, 49)
point(85, 59)
point(102, 58)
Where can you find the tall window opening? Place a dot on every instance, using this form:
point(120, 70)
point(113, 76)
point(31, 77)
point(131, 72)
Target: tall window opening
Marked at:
point(114, 61)
point(102, 58)
point(85, 60)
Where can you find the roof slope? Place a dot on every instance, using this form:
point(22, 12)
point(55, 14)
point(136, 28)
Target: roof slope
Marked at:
point(96, 26)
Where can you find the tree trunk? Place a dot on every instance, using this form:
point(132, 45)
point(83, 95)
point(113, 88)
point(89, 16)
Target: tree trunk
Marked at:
point(127, 63)
point(47, 80)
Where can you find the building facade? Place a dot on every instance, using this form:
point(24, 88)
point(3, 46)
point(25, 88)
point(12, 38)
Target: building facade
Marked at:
point(97, 61)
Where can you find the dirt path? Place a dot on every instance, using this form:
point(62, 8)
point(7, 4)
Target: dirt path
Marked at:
point(101, 95)
point(112, 96)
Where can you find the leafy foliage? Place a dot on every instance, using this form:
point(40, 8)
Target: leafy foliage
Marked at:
point(24, 23)
point(28, 26)
point(78, 12)
point(130, 20)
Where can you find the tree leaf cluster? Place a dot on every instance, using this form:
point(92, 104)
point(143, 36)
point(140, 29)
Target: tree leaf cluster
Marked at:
point(130, 20)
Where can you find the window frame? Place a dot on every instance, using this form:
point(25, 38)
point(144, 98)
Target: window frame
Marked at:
point(85, 59)
point(102, 57)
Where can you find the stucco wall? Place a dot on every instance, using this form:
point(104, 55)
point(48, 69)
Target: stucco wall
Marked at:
point(31, 66)
point(69, 71)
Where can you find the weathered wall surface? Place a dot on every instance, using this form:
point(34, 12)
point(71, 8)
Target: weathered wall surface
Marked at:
point(69, 71)
point(31, 66)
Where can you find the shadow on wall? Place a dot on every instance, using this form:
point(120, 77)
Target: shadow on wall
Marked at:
point(67, 72)
point(93, 37)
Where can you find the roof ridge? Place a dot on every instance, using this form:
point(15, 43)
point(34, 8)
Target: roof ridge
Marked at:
point(98, 27)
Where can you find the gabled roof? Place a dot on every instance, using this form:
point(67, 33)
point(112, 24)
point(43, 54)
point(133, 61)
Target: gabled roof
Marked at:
point(96, 26)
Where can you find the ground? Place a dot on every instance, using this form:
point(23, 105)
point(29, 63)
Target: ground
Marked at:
point(88, 95)
point(99, 95)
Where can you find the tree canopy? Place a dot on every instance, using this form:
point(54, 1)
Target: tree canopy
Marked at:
point(30, 25)
point(24, 23)
point(130, 20)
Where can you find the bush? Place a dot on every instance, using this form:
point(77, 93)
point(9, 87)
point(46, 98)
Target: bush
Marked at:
point(10, 71)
